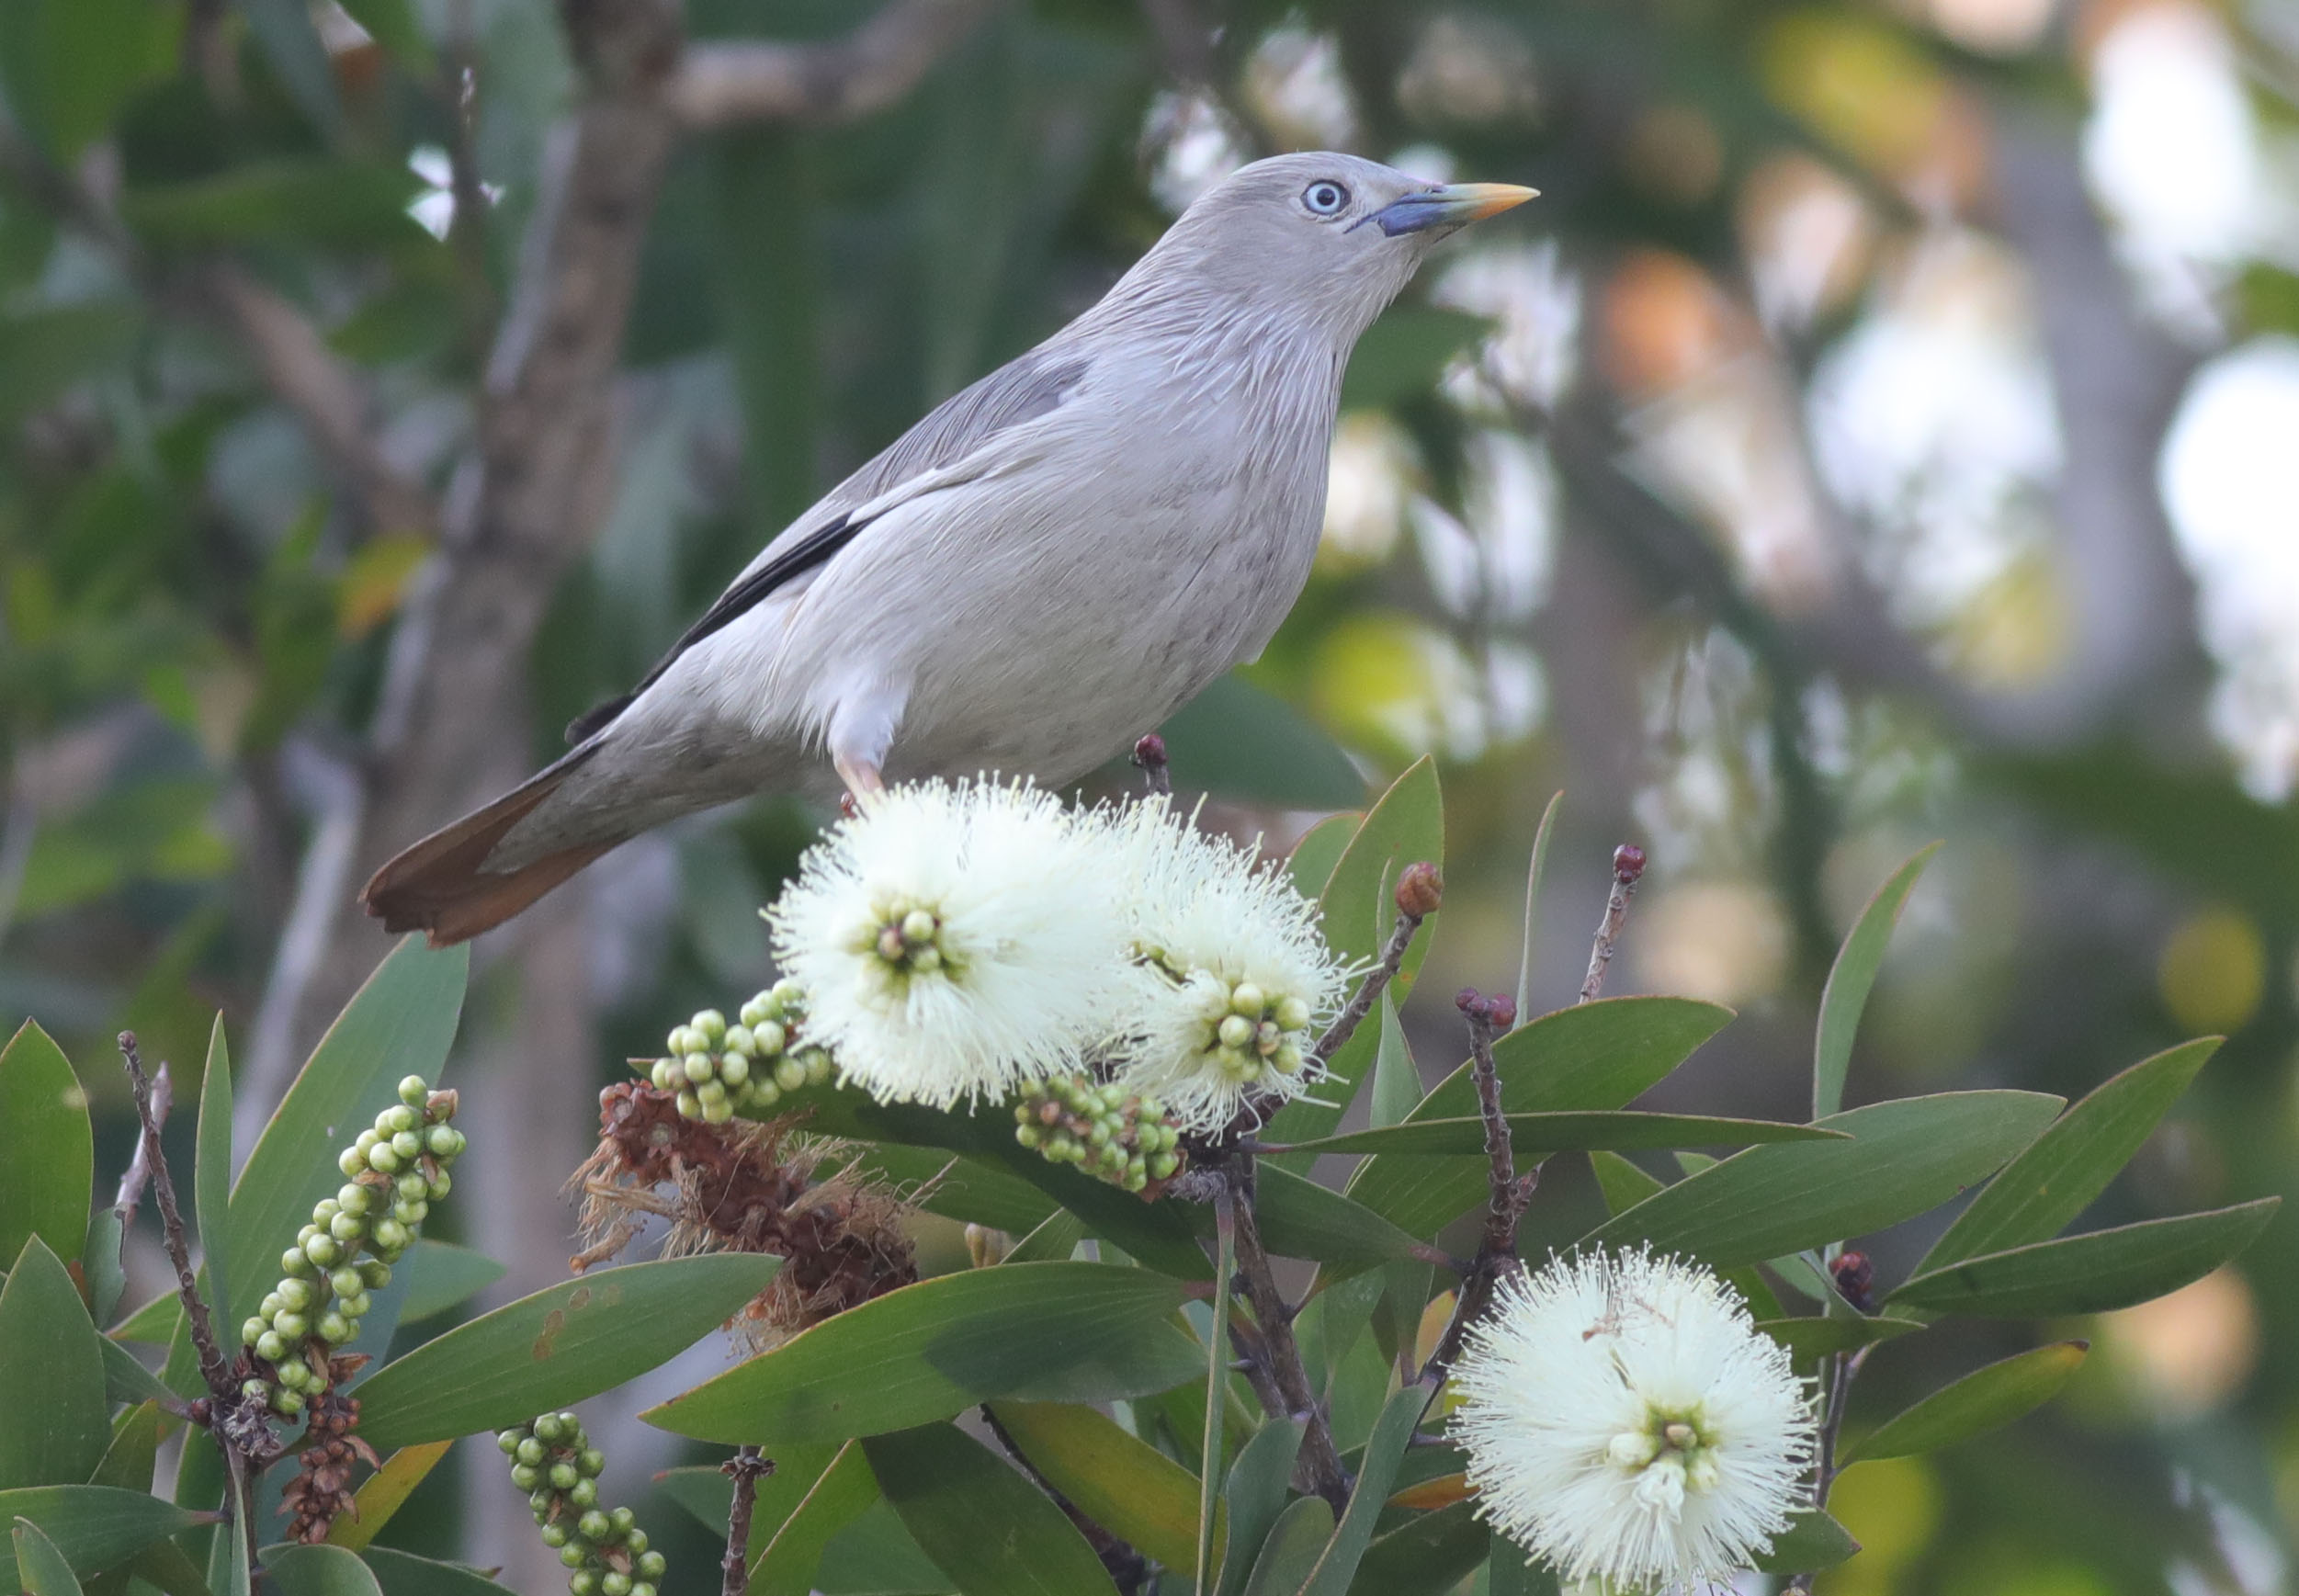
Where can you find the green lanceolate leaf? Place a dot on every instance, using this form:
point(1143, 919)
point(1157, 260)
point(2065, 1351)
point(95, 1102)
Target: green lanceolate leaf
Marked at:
point(404, 1574)
point(1300, 1218)
point(1126, 1486)
point(2054, 1180)
point(1310, 864)
point(948, 1489)
point(709, 1494)
point(400, 1022)
point(840, 1494)
point(556, 1347)
point(1376, 1473)
point(47, 1151)
point(1984, 1399)
point(965, 1189)
point(1290, 1553)
point(1535, 872)
point(441, 1274)
point(211, 1171)
point(1052, 1241)
point(323, 1570)
point(54, 1423)
point(96, 1527)
point(41, 1569)
point(1254, 1496)
point(1426, 1556)
point(2096, 1273)
point(1851, 979)
point(1052, 1331)
point(385, 1491)
point(135, 1446)
point(1906, 1157)
point(100, 1263)
point(1536, 1136)
point(1622, 1184)
point(126, 1380)
point(1811, 1543)
point(1591, 1058)
point(1396, 1078)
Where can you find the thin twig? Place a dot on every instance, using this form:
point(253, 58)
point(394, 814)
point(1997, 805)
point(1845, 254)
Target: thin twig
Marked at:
point(1125, 1567)
point(213, 1369)
point(1497, 1247)
point(719, 85)
point(1319, 1467)
point(1629, 864)
point(1844, 1368)
point(130, 1197)
point(1420, 891)
point(746, 1468)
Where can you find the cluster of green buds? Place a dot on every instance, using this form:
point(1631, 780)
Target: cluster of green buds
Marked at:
point(556, 1465)
point(1252, 1033)
point(1111, 1133)
point(719, 1071)
point(396, 1170)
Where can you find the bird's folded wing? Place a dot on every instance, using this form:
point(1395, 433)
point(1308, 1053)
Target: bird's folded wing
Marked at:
point(970, 434)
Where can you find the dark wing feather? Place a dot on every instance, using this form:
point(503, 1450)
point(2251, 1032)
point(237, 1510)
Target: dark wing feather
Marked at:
point(1018, 391)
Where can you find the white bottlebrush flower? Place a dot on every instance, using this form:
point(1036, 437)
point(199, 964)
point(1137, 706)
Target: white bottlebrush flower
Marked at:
point(954, 942)
point(1241, 973)
point(1626, 1421)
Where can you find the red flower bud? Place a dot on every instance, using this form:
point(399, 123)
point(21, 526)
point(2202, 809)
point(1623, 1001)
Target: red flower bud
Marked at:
point(1628, 863)
point(1420, 890)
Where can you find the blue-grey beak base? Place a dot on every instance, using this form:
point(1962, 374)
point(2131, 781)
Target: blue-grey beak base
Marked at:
point(1454, 205)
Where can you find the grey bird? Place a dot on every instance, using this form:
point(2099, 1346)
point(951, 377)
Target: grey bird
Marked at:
point(1044, 568)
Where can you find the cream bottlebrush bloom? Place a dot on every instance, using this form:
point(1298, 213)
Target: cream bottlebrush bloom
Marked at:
point(954, 942)
point(1243, 973)
point(1626, 1421)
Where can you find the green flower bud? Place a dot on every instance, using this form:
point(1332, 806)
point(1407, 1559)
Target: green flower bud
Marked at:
point(287, 1403)
point(711, 1024)
point(741, 1043)
point(323, 1212)
point(1028, 1134)
point(444, 1140)
point(383, 1160)
point(1293, 1014)
point(348, 1227)
point(354, 1199)
point(553, 1535)
point(270, 1345)
point(544, 1503)
point(572, 1554)
point(718, 1112)
point(365, 1144)
point(768, 1038)
point(789, 1074)
point(689, 1105)
point(684, 1039)
point(295, 1374)
point(323, 1251)
point(393, 1121)
point(292, 1263)
point(507, 1442)
point(407, 1145)
point(818, 1066)
point(711, 1092)
point(335, 1330)
point(1164, 1166)
point(635, 1539)
point(550, 1429)
point(526, 1477)
point(356, 1306)
point(1286, 1060)
point(592, 1462)
point(666, 1075)
point(306, 1234)
point(374, 1274)
point(298, 1294)
point(391, 1238)
point(585, 1584)
point(250, 1328)
point(255, 1391)
point(734, 1069)
point(651, 1567)
point(593, 1526)
point(532, 1452)
point(291, 1326)
point(411, 1214)
point(564, 1475)
point(1135, 1180)
point(765, 1094)
point(699, 1067)
point(1235, 1030)
point(414, 1090)
point(441, 1186)
point(351, 1160)
point(1247, 999)
point(275, 1303)
point(614, 1584)
point(642, 1587)
point(584, 1493)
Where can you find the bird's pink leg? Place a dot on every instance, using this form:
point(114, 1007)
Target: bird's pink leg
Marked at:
point(861, 776)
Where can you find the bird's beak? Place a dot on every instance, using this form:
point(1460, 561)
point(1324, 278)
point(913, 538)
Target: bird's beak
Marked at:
point(1454, 205)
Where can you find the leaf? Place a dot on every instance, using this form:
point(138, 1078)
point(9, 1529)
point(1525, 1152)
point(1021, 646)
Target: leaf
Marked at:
point(1852, 978)
point(126, 1379)
point(399, 1023)
point(69, 66)
point(1812, 1541)
point(393, 25)
point(290, 42)
point(1402, 354)
point(129, 1461)
point(47, 1150)
point(39, 1566)
point(384, 1492)
point(1310, 864)
point(1054, 1331)
point(1622, 1185)
point(280, 200)
point(844, 1489)
point(709, 1494)
point(404, 1574)
point(1255, 1495)
point(154, 1323)
point(54, 1423)
point(43, 353)
point(967, 1189)
point(1536, 1136)
point(948, 1489)
point(1426, 1556)
point(1810, 1339)
point(1245, 743)
point(1593, 1056)
point(323, 1570)
point(2039, 1192)
point(1984, 1399)
point(1290, 1553)
point(211, 1169)
point(440, 1274)
point(1126, 1486)
point(1300, 1218)
point(1535, 872)
point(556, 1347)
point(166, 1567)
point(100, 1262)
point(1052, 1241)
point(1397, 1087)
point(228, 1570)
point(2096, 1273)
point(96, 1526)
point(1377, 1472)
point(1907, 1157)
point(1356, 912)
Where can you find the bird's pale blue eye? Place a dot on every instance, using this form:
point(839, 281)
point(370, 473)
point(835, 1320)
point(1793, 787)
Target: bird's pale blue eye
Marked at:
point(1325, 198)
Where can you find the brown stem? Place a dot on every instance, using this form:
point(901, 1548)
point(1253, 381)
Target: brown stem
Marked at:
point(746, 1468)
point(1505, 1205)
point(213, 1369)
point(1844, 1368)
point(1369, 991)
point(129, 1196)
point(1319, 1467)
point(1629, 864)
point(1126, 1568)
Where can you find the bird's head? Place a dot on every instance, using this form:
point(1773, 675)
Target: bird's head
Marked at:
point(1333, 237)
